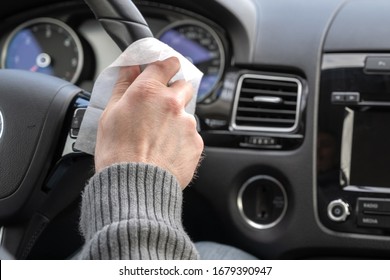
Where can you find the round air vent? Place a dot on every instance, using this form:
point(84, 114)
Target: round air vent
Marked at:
point(262, 201)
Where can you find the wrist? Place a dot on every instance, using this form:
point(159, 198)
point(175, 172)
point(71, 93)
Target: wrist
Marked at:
point(128, 191)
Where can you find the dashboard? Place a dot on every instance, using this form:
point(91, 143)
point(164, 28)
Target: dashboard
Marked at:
point(292, 108)
point(78, 52)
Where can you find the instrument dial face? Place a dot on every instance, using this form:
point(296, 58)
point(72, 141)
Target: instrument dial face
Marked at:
point(202, 46)
point(45, 45)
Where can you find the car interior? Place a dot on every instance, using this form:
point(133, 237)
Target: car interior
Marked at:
point(292, 109)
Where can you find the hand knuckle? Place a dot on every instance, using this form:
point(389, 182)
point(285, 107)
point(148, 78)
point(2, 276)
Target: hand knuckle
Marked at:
point(191, 125)
point(172, 62)
point(144, 90)
point(199, 144)
point(169, 63)
point(191, 122)
point(173, 103)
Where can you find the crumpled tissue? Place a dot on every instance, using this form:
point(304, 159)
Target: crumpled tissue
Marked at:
point(141, 52)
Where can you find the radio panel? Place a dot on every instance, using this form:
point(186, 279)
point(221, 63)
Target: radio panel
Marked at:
point(353, 144)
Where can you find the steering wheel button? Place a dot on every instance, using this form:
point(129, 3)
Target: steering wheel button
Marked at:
point(76, 122)
point(78, 118)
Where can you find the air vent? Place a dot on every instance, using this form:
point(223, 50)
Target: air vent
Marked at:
point(267, 103)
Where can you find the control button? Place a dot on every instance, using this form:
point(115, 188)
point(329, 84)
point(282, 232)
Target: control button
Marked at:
point(338, 97)
point(338, 210)
point(352, 97)
point(374, 206)
point(377, 64)
point(215, 123)
point(261, 142)
point(76, 122)
point(374, 221)
point(345, 97)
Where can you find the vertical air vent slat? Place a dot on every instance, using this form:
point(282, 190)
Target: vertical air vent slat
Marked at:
point(267, 103)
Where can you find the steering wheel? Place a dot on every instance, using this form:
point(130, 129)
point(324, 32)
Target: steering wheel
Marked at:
point(40, 174)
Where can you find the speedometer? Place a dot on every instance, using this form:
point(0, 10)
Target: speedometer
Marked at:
point(47, 46)
point(202, 46)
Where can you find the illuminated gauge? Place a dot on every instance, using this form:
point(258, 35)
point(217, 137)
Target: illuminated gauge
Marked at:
point(44, 45)
point(202, 46)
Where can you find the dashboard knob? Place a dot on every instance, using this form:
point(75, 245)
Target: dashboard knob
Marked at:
point(338, 210)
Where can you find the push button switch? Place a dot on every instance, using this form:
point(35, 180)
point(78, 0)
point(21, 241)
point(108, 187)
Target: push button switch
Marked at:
point(377, 64)
point(374, 206)
point(373, 212)
point(76, 122)
point(352, 97)
point(374, 221)
point(338, 97)
point(345, 97)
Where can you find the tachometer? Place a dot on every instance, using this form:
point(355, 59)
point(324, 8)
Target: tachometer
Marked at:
point(202, 46)
point(47, 46)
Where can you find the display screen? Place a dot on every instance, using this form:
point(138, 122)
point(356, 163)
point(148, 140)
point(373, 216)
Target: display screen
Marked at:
point(365, 154)
point(353, 143)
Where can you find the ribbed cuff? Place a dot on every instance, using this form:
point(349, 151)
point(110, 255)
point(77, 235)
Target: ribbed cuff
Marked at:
point(151, 193)
point(133, 210)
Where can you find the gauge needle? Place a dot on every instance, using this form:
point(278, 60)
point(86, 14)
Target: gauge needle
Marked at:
point(34, 68)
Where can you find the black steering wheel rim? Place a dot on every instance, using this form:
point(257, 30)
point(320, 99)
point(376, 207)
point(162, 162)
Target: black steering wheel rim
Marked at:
point(35, 111)
point(121, 19)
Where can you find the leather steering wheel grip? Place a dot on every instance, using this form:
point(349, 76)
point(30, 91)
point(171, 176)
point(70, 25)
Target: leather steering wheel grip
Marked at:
point(121, 19)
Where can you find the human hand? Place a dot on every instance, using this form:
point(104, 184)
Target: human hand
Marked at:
point(145, 121)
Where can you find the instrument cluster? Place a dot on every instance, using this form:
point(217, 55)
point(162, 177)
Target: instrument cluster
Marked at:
point(55, 46)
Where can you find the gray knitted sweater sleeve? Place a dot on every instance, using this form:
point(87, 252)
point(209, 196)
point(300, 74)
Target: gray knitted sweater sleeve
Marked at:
point(133, 211)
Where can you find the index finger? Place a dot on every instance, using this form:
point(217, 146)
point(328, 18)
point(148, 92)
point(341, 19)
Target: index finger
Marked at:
point(126, 77)
point(161, 71)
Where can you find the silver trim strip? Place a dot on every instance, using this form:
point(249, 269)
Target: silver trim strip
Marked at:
point(1, 124)
point(267, 99)
point(347, 60)
point(1, 235)
point(234, 126)
point(346, 146)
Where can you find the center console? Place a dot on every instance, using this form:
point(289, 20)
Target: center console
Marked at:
point(353, 143)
